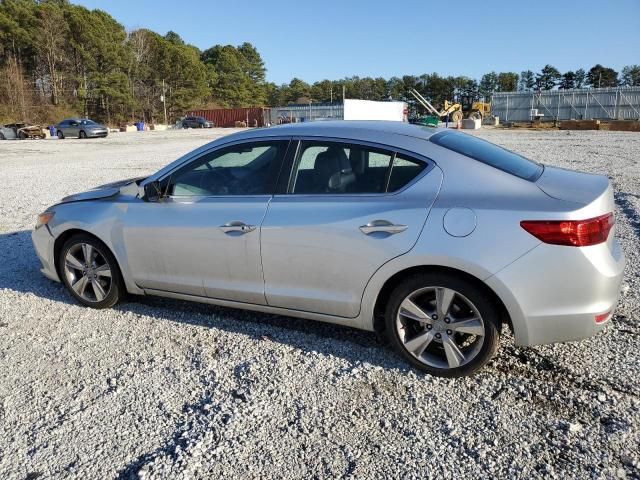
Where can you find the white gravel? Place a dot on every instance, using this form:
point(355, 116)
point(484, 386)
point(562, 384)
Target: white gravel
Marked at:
point(163, 389)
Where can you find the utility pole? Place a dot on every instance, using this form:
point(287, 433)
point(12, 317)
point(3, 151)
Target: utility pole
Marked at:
point(164, 103)
point(331, 96)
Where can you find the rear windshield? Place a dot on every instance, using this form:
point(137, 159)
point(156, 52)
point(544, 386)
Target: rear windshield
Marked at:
point(488, 153)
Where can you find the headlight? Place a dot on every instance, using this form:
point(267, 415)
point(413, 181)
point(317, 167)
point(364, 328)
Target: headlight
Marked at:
point(44, 218)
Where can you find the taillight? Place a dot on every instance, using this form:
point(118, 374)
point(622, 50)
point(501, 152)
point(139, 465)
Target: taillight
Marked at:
point(602, 317)
point(572, 233)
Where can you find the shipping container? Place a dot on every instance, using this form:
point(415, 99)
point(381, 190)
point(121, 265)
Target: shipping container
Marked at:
point(228, 117)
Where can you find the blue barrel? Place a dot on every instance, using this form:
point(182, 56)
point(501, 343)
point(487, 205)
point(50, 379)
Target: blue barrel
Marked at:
point(52, 130)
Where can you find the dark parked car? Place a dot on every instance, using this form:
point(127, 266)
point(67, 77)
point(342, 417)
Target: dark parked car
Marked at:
point(81, 128)
point(196, 122)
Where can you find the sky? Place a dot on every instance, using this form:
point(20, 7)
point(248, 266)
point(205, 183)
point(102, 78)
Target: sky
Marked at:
point(333, 39)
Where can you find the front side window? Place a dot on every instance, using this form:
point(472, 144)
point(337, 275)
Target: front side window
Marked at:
point(246, 169)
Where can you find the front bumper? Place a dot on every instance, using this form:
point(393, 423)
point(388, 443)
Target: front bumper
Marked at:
point(554, 294)
point(43, 243)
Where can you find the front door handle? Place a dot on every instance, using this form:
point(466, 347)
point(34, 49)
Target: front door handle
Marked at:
point(382, 226)
point(239, 227)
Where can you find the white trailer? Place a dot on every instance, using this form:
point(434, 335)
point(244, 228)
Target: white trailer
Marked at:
point(371, 110)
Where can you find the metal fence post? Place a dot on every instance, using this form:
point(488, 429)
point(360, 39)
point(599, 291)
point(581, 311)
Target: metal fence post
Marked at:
point(586, 105)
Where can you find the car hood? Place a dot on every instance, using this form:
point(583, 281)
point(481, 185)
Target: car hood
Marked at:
point(128, 186)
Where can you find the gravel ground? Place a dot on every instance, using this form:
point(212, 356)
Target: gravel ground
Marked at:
point(164, 389)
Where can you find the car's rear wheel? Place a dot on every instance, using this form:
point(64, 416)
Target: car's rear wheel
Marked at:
point(443, 324)
point(90, 272)
point(82, 134)
point(60, 135)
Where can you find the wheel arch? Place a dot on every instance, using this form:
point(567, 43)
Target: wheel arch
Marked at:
point(392, 282)
point(66, 235)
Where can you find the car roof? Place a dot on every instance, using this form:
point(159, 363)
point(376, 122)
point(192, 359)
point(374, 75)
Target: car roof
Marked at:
point(345, 128)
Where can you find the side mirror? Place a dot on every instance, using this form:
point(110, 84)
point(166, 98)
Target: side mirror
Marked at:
point(153, 192)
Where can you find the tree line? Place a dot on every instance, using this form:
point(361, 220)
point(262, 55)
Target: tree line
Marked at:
point(59, 60)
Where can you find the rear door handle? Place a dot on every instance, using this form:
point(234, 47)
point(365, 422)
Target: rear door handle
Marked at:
point(239, 227)
point(382, 226)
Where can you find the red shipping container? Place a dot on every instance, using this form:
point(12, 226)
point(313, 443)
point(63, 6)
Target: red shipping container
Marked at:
point(227, 117)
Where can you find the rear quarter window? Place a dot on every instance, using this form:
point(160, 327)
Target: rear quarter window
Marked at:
point(489, 154)
point(403, 171)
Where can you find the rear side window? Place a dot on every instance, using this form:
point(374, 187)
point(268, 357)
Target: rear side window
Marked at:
point(345, 168)
point(340, 168)
point(488, 153)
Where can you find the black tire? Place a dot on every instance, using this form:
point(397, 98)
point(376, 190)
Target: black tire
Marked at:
point(116, 290)
point(22, 135)
point(484, 304)
point(60, 135)
point(82, 134)
point(2, 136)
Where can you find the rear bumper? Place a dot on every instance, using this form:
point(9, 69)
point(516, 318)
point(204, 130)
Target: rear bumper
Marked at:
point(554, 293)
point(97, 134)
point(43, 243)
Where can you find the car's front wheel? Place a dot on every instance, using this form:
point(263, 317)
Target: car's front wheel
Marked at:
point(443, 324)
point(60, 135)
point(90, 272)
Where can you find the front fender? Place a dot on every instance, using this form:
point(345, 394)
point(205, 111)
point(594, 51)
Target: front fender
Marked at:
point(102, 220)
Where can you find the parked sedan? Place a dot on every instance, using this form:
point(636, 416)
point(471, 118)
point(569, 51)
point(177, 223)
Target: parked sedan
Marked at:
point(81, 128)
point(435, 238)
point(196, 122)
point(7, 133)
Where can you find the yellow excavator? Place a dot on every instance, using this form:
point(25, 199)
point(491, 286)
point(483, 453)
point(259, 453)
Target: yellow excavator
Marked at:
point(479, 110)
point(452, 109)
point(456, 111)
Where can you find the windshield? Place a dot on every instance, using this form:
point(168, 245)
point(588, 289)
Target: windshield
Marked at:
point(488, 153)
point(87, 122)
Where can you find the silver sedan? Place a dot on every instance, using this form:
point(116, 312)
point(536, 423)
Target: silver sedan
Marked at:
point(433, 238)
point(81, 128)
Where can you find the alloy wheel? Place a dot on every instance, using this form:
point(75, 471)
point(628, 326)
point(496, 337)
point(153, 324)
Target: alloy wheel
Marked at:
point(440, 327)
point(88, 272)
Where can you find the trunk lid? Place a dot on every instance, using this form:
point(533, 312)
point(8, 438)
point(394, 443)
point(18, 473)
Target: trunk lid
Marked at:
point(571, 186)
